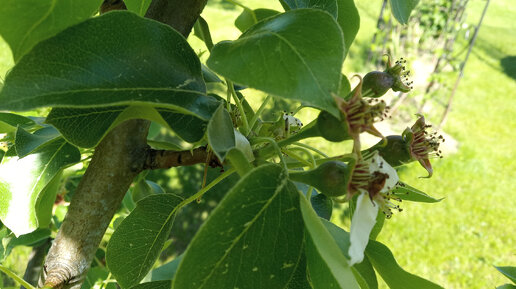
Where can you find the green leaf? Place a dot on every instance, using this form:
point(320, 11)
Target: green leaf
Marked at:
point(85, 127)
point(345, 87)
point(26, 142)
point(509, 272)
point(145, 188)
point(349, 20)
point(221, 135)
point(137, 242)
point(397, 278)
point(9, 122)
point(250, 17)
point(187, 127)
point(166, 271)
point(297, 55)
point(24, 23)
point(121, 65)
point(363, 272)
point(322, 205)
point(329, 6)
point(27, 240)
point(408, 193)
point(95, 277)
point(258, 221)
point(138, 6)
point(506, 286)
point(365, 275)
point(344, 11)
point(300, 278)
point(23, 180)
point(208, 75)
point(327, 265)
point(401, 9)
point(154, 285)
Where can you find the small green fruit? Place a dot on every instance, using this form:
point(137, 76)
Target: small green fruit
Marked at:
point(378, 82)
point(332, 128)
point(396, 152)
point(330, 178)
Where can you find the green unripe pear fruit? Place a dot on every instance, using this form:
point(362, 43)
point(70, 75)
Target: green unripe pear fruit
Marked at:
point(378, 82)
point(330, 178)
point(332, 128)
point(396, 152)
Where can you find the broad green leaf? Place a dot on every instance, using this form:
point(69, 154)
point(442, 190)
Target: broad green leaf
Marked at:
point(344, 11)
point(253, 239)
point(506, 286)
point(24, 23)
point(250, 17)
point(29, 239)
point(137, 242)
point(208, 75)
point(300, 278)
point(166, 271)
point(26, 142)
point(85, 127)
point(154, 285)
point(187, 127)
point(509, 272)
point(95, 277)
point(397, 278)
point(138, 6)
point(327, 265)
point(345, 87)
point(322, 205)
point(363, 272)
point(297, 55)
point(349, 20)
point(46, 200)
point(401, 9)
point(221, 135)
point(329, 6)
point(408, 193)
point(2, 153)
point(202, 30)
point(365, 275)
point(23, 180)
point(9, 122)
point(145, 188)
point(378, 226)
point(121, 65)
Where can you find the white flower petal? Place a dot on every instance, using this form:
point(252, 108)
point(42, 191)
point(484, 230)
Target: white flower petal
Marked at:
point(378, 164)
point(362, 223)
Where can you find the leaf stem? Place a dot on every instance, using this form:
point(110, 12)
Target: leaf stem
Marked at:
point(16, 277)
point(205, 189)
point(231, 89)
point(257, 114)
point(294, 155)
point(274, 145)
point(311, 148)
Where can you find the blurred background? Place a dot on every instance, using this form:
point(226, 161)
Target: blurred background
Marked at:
point(464, 84)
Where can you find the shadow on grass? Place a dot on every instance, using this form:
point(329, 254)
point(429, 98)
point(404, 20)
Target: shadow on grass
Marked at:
point(509, 66)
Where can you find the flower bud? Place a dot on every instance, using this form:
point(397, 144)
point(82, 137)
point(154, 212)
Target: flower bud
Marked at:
point(330, 178)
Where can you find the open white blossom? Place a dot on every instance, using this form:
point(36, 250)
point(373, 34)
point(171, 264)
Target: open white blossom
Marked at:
point(382, 178)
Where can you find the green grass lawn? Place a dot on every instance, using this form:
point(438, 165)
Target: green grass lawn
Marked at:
point(455, 242)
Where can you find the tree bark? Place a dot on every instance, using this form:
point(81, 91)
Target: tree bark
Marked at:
point(119, 157)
